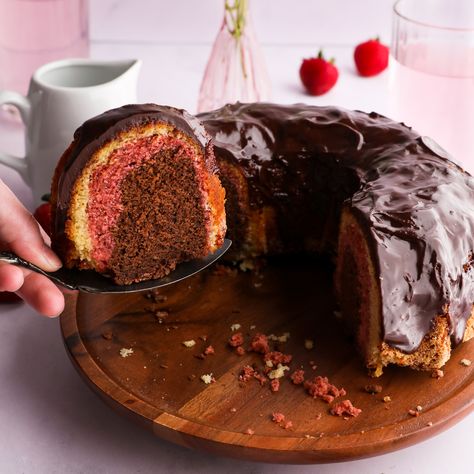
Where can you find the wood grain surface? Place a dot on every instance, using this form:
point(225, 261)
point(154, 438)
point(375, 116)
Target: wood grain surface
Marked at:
point(159, 384)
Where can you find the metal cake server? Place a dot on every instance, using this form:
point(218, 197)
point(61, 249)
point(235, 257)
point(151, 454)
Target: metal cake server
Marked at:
point(92, 282)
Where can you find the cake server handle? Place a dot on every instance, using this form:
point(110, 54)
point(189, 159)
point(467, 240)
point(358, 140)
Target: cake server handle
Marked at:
point(93, 282)
point(13, 259)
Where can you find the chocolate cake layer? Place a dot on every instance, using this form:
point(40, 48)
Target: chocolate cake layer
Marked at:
point(99, 130)
point(416, 206)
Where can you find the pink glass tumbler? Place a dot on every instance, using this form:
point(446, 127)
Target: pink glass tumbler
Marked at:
point(35, 32)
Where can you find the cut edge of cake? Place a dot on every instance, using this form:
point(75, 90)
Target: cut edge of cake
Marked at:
point(75, 243)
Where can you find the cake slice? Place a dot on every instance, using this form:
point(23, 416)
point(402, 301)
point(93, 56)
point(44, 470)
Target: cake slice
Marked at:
point(136, 193)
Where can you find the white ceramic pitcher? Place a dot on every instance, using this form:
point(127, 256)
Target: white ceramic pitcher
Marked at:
point(62, 95)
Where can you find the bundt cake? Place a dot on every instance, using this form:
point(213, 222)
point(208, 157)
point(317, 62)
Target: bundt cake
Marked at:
point(136, 193)
point(395, 211)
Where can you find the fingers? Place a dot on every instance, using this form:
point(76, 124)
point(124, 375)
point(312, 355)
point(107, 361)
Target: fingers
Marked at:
point(35, 289)
point(20, 232)
point(42, 294)
point(11, 278)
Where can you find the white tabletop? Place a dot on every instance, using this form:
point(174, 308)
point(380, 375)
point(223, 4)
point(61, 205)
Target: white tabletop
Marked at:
point(52, 423)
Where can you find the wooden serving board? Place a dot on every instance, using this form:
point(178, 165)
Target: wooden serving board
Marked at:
point(159, 384)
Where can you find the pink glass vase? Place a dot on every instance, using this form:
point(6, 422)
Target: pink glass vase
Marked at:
point(236, 69)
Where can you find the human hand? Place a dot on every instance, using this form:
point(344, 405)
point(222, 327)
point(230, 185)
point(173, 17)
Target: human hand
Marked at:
point(21, 234)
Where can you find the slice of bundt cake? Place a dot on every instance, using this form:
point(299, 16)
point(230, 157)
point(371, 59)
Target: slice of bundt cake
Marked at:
point(136, 193)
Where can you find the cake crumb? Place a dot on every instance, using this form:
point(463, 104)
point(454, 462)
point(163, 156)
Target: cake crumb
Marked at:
point(308, 436)
point(252, 327)
point(124, 352)
point(107, 335)
point(430, 423)
point(161, 316)
point(235, 327)
point(279, 372)
point(276, 357)
point(437, 374)
point(203, 338)
point(209, 350)
point(191, 377)
point(260, 377)
point(297, 377)
point(275, 385)
point(387, 399)
point(208, 378)
point(466, 362)
point(233, 410)
point(419, 408)
point(373, 388)
point(249, 431)
point(308, 344)
point(223, 270)
point(413, 413)
point(278, 417)
point(320, 387)
point(189, 343)
point(246, 265)
point(246, 373)
point(345, 408)
point(236, 339)
point(260, 344)
point(163, 366)
point(240, 351)
point(283, 338)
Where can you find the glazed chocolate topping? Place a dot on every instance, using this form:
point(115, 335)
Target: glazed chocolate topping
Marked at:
point(99, 130)
point(416, 206)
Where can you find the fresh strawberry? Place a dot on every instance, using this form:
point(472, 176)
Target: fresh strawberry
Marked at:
point(43, 216)
point(371, 57)
point(7, 297)
point(318, 75)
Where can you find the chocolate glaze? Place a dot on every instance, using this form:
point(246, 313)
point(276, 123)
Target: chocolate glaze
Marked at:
point(416, 206)
point(99, 130)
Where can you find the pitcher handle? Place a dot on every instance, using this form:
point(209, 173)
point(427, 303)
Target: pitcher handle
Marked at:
point(23, 106)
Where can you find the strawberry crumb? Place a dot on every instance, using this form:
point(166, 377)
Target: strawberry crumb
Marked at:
point(276, 357)
point(247, 373)
point(345, 408)
point(320, 387)
point(209, 350)
point(260, 344)
point(260, 377)
point(297, 377)
point(288, 425)
point(275, 385)
point(236, 339)
point(240, 351)
point(278, 417)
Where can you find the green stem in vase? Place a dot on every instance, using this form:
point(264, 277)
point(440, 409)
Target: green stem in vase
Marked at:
point(237, 13)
